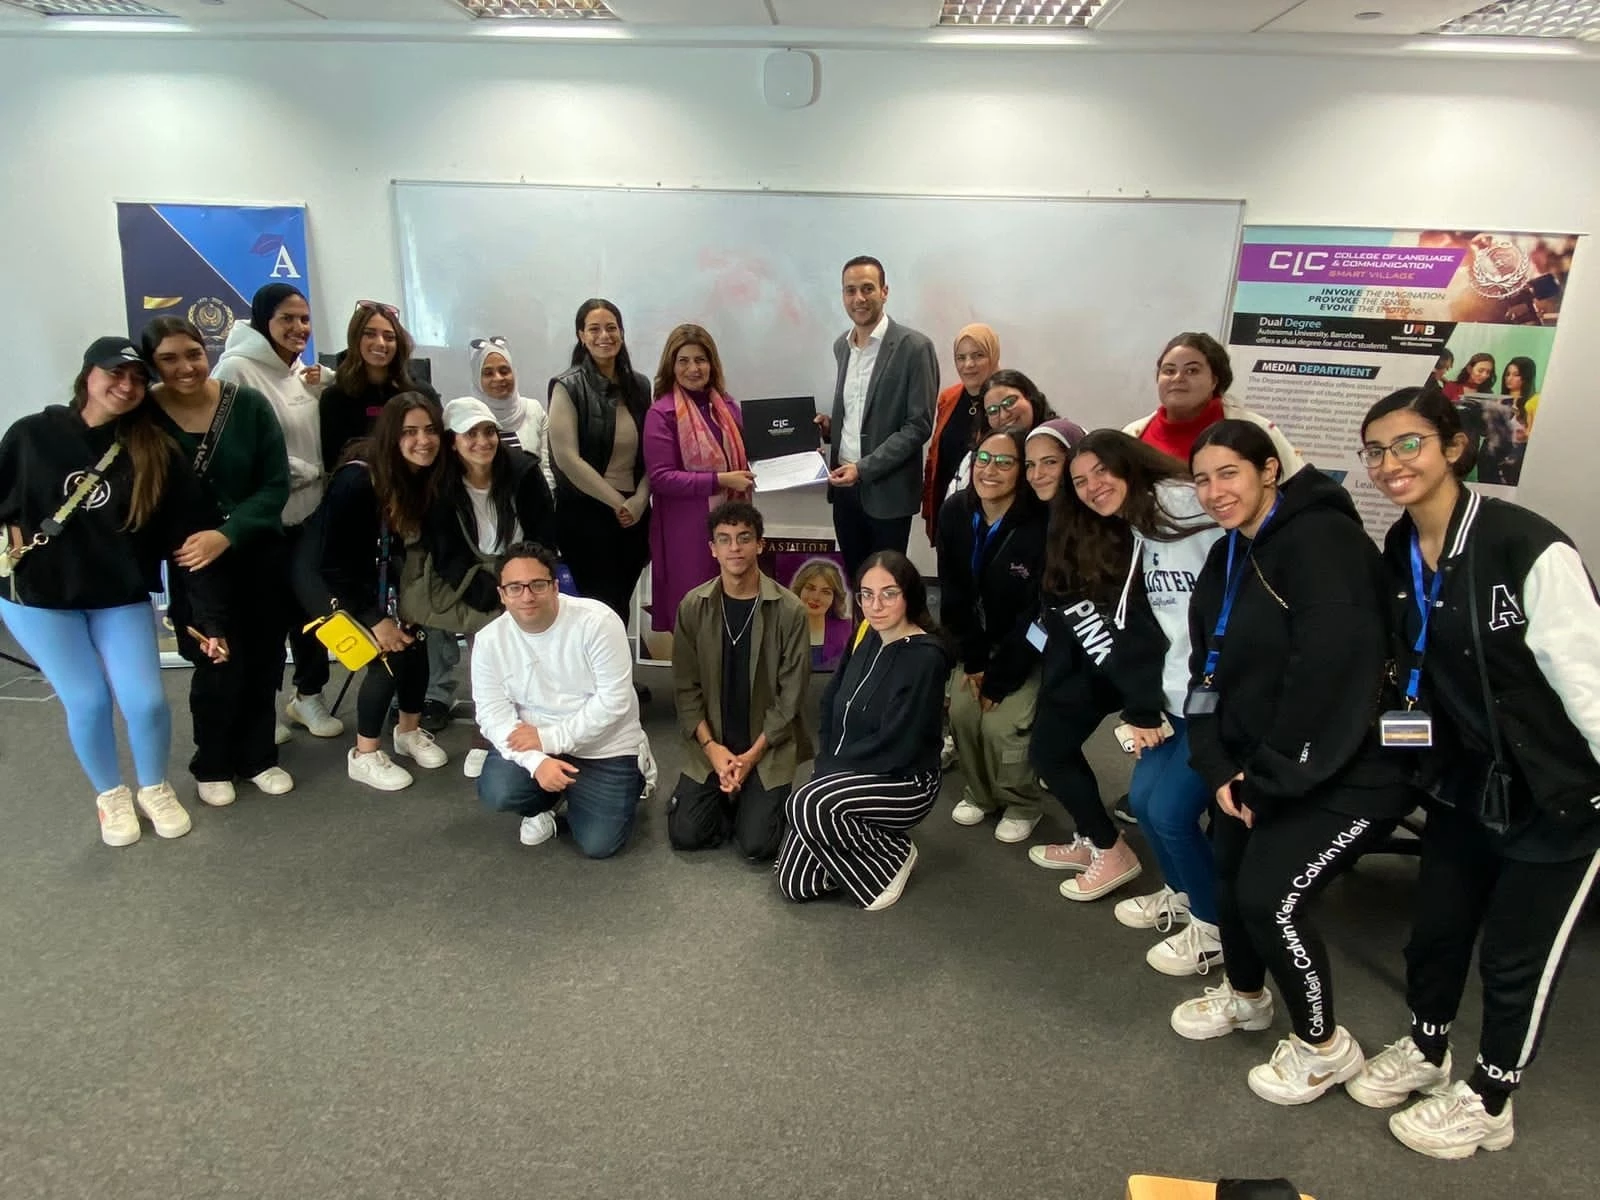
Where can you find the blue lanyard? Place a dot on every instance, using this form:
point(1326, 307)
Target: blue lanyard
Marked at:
point(980, 541)
point(1231, 591)
point(1425, 611)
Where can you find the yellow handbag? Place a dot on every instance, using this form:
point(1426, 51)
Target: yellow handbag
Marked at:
point(346, 638)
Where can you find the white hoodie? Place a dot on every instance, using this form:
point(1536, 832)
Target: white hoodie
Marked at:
point(249, 360)
point(1170, 570)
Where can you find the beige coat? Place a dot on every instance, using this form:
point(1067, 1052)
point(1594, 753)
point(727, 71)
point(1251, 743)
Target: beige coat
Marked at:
point(780, 673)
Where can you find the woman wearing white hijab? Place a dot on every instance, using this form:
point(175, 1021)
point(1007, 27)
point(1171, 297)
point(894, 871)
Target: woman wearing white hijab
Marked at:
point(522, 421)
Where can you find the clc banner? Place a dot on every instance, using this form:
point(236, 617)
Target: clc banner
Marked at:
point(205, 261)
point(1327, 321)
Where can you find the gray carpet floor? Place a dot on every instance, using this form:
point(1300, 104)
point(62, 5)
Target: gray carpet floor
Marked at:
point(339, 993)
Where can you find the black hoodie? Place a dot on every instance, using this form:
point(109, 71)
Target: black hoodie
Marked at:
point(1304, 667)
point(450, 529)
point(883, 710)
point(95, 562)
point(988, 612)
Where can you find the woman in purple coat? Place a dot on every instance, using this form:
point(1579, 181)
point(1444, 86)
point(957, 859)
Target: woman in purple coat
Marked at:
point(694, 454)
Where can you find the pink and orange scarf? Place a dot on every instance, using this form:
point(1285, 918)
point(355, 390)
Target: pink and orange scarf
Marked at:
point(699, 446)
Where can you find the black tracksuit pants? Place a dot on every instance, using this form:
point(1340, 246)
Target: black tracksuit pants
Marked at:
point(1525, 912)
point(1267, 878)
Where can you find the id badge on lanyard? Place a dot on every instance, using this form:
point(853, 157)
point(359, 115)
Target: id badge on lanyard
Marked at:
point(1203, 697)
point(1411, 728)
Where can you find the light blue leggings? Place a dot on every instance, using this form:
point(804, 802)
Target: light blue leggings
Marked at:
point(89, 655)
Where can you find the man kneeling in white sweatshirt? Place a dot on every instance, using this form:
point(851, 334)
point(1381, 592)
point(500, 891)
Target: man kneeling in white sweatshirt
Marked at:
point(552, 680)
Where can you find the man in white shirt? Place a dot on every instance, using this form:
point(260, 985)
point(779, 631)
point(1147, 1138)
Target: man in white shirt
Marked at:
point(552, 681)
point(883, 402)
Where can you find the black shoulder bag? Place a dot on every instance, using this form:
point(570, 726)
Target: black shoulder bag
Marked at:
point(1494, 804)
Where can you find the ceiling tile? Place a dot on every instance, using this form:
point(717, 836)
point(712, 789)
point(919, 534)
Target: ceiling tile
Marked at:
point(701, 14)
point(406, 11)
point(858, 14)
point(1400, 17)
point(1191, 16)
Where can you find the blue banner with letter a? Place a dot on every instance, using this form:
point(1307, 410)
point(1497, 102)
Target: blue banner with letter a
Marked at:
point(203, 262)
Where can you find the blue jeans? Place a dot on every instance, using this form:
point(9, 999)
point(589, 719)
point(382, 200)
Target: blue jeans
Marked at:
point(601, 801)
point(89, 656)
point(1169, 799)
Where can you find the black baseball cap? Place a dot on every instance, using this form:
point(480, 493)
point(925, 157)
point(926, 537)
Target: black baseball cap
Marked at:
point(109, 353)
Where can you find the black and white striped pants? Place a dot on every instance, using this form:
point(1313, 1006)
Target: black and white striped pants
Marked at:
point(852, 831)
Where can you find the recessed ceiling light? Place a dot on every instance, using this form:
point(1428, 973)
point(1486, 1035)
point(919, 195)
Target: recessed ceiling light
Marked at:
point(1530, 18)
point(89, 8)
point(1052, 14)
point(538, 10)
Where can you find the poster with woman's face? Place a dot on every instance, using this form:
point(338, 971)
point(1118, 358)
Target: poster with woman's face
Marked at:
point(813, 569)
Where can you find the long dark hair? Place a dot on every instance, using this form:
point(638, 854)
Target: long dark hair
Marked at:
point(159, 330)
point(627, 382)
point(909, 580)
point(1006, 377)
point(1464, 376)
point(350, 376)
point(404, 492)
point(502, 487)
point(1430, 404)
point(149, 450)
point(1527, 370)
point(1088, 553)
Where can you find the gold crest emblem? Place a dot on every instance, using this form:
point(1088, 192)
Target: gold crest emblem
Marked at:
point(213, 318)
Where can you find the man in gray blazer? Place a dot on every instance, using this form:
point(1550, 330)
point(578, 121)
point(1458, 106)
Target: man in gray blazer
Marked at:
point(883, 401)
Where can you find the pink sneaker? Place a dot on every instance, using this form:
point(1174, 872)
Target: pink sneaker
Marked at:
point(1063, 856)
point(1108, 870)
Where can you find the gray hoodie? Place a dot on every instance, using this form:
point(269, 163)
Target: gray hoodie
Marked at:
point(249, 360)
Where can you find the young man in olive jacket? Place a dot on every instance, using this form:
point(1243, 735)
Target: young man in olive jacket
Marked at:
point(741, 664)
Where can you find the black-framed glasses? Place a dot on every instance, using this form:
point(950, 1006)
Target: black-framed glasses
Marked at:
point(378, 306)
point(515, 589)
point(1404, 449)
point(1004, 461)
point(496, 341)
point(1005, 405)
point(867, 598)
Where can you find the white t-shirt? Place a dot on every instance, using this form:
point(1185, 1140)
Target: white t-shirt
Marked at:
point(573, 683)
point(483, 512)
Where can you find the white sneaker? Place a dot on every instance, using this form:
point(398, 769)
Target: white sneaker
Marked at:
point(119, 825)
point(1453, 1124)
point(1221, 1011)
point(377, 770)
point(160, 804)
point(281, 733)
point(419, 746)
point(472, 764)
point(1075, 855)
point(218, 793)
point(1193, 951)
point(1160, 911)
point(311, 712)
point(1298, 1073)
point(1392, 1076)
point(967, 813)
point(1015, 829)
point(274, 781)
point(890, 894)
point(539, 828)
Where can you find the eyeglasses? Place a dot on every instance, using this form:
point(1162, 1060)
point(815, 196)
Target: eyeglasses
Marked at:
point(379, 306)
point(480, 343)
point(868, 598)
point(514, 590)
point(743, 538)
point(1006, 405)
point(1404, 449)
point(1004, 461)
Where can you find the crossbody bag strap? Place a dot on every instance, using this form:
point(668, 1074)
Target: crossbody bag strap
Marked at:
point(1477, 649)
point(51, 526)
point(219, 420)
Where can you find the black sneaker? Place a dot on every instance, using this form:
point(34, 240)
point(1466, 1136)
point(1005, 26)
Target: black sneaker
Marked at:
point(435, 716)
point(1121, 812)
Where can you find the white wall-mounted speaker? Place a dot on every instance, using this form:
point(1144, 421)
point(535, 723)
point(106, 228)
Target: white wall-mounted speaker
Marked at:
point(789, 79)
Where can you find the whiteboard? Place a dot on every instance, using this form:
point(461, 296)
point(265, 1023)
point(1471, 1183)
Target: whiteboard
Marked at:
point(1083, 293)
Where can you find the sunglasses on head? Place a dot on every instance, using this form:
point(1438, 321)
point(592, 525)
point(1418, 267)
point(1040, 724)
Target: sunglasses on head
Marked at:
point(379, 306)
point(480, 343)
